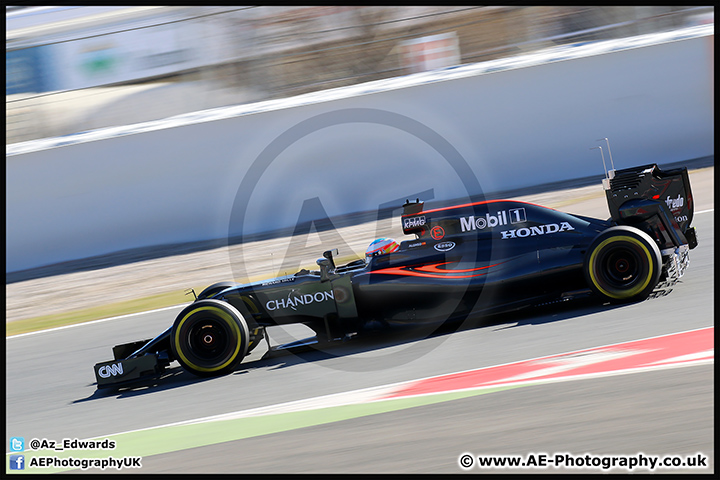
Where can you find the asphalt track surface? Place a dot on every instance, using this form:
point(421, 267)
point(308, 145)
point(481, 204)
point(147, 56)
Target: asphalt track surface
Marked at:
point(51, 392)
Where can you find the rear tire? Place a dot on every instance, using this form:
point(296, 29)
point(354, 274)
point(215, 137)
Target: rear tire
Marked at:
point(623, 264)
point(209, 338)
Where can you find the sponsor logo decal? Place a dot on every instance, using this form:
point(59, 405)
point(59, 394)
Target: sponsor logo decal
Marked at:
point(278, 281)
point(437, 233)
point(413, 222)
point(444, 246)
point(342, 295)
point(675, 203)
point(513, 215)
point(294, 299)
point(536, 230)
point(110, 370)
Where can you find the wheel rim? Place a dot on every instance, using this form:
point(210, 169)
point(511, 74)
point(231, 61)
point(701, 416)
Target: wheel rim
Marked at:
point(209, 340)
point(621, 267)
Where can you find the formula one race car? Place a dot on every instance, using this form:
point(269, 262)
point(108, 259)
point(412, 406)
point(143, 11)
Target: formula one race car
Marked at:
point(476, 258)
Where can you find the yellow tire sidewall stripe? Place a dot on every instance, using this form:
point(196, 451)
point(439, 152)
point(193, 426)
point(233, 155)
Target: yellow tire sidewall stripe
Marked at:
point(638, 288)
point(227, 318)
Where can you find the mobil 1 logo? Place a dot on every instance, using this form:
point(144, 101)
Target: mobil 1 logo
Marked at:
point(501, 218)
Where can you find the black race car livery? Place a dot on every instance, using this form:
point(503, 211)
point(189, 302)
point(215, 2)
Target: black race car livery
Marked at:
point(470, 259)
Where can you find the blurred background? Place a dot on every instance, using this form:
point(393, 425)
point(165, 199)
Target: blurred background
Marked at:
point(73, 69)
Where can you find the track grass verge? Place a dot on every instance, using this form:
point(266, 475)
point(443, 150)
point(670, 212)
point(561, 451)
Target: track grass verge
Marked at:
point(45, 322)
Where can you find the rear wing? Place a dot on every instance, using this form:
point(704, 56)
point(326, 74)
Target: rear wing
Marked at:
point(660, 202)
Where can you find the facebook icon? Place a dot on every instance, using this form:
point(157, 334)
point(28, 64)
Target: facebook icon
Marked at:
point(17, 462)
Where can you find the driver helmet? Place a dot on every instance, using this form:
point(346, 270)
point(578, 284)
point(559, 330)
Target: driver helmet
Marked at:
point(381, 246)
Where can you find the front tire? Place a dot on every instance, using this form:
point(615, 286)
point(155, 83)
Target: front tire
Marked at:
point(209, 338)
point(623, 264)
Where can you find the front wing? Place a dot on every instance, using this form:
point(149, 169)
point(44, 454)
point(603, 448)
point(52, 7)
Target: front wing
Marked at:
point(118, 373)
point(134, 362)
